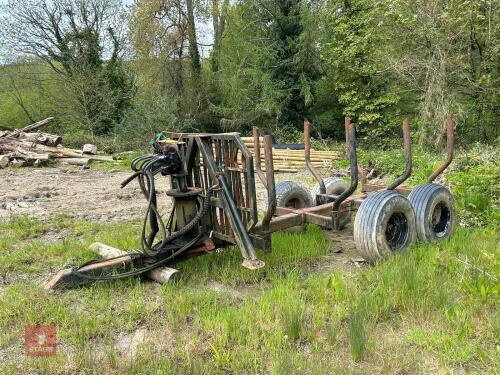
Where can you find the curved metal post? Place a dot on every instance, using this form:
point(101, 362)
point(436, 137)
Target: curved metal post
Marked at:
point(337, 223)
point(408, 158)
point(361, 171)
point(310, 166)
point(450, 141)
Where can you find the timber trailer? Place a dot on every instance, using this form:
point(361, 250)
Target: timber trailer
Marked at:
point(214, 205)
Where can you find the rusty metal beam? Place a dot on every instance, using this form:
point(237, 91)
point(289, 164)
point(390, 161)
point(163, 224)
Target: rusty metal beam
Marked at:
point(307, 151)
point(270, 183)
point(450, 142)
point(256, 147)
point(337, 222)
point(408, 158)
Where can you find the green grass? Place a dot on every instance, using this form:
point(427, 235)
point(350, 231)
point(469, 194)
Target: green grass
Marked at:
point(122, 163)
point(431, 310)
point(435, 307)
point(473, 177)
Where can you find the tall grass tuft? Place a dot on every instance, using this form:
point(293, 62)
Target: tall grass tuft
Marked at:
point(357, 330)
point(293, 320)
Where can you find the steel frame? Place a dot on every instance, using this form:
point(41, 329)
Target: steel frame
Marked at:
point(328, 214)
point(220, 167)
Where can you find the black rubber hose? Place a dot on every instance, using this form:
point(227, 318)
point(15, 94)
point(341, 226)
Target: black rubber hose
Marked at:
point(146, 167)
point(138, 271)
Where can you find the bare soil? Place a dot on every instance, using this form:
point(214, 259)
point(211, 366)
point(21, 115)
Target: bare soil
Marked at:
point(83, 193)
point(79, 193)
point(96, 195)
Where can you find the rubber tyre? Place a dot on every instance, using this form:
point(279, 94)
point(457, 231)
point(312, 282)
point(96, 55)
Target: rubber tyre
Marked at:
point(434, 208)
point(292, 195)
point(384, 224)
point(333, 185)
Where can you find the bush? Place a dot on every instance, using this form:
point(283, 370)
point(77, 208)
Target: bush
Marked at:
point(477, 193)
point(145, 118)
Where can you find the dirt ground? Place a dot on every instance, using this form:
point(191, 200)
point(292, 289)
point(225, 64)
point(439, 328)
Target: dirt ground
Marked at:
point(97, 196)
point(81, 193)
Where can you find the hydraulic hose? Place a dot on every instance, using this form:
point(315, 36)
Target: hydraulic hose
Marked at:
point(140, 271)
point(145, 168)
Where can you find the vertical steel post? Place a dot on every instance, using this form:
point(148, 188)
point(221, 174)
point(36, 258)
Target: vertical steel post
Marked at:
point(256, 147)
point(271, 191)
point(310, 166)
point(337, 223)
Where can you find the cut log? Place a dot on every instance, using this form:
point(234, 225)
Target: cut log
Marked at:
point(29, 128)
point(75, 161)
point(17, 163)
point(161, 274)
point(4, 161)
point(89, 149)
point(42, 138)
point(55, 152)
point(27, 155)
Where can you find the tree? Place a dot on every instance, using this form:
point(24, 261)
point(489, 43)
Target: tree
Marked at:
point(453, 63)
point(219, 19)
point(81, 43)
point(268, 64)
point(295, 64)
point(353, 48)
point(194, 52)
point(242, 90)
point(164, 37)
point(159, 38)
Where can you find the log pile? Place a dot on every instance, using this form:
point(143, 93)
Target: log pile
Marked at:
point(30, 147)
point(287, 160)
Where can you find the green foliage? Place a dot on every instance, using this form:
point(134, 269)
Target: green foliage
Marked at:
point(477, 190)
point(460, 77)
point(356, 67)
point(289, 30)
point(242, 90)
point(268, 64)
point(100, 91)
point(23, 99)
point(148, 116)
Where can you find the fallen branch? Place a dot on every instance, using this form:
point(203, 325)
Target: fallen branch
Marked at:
point(75, 161)
point(29, 128)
